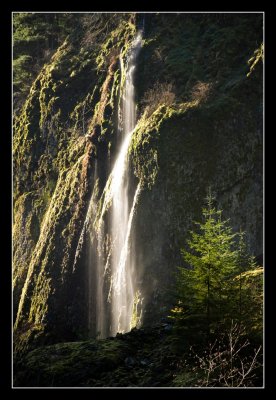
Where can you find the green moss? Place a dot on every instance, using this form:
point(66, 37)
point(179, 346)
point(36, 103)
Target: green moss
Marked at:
point(257, 57)
point(175, 152)
point(118, 41)
point(51, 160)
point(39, 284)
point(144, 147)
point(142, 358)
point(96, 356)
point(136, 311)
point(84, 110)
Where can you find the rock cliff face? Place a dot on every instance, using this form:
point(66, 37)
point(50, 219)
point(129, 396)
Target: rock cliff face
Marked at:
point(200, 110)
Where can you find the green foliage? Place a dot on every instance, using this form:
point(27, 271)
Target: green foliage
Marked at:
point(248, 287)
point(35, 38)
point(136, 310)
point(257, 57)
point(213, 258)
point(213, 285)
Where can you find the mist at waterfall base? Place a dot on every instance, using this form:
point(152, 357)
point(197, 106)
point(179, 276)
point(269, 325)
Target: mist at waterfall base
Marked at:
point(114, 301)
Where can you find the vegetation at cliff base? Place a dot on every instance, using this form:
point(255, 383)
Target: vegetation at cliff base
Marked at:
point(214, 295)
point(212, 284)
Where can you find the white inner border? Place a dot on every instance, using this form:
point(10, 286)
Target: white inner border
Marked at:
point(147, 12)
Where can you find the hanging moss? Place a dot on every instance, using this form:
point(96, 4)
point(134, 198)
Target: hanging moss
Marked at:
point(70, 119)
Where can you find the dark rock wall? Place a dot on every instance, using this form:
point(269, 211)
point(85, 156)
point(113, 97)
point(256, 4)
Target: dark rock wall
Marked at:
point(207, 132)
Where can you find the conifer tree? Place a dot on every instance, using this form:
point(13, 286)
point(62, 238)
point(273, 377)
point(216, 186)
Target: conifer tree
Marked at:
point(206, 284)
point(220, 281)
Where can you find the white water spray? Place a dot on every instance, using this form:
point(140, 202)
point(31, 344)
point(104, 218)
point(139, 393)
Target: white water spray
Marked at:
point(122, 289)
point(112, 280)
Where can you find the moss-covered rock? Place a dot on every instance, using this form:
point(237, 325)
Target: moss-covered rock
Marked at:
point(210, 136)
point(54, 164)
point(210, 133)
point(141, 358)
point(159, 356)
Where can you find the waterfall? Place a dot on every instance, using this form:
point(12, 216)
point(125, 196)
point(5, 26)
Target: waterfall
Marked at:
point(111, 271)
point(122, 289)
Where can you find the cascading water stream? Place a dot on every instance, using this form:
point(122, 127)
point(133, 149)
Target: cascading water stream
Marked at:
point(112, 272)
point(122, 290)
